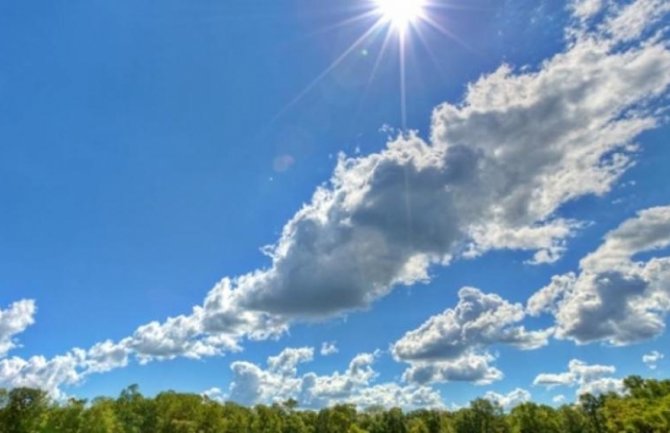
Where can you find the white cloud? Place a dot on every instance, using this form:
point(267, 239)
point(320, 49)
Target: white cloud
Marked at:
point(632, 20)
point(13, 321)
point(652, 358)
point(105, 356)
point(287, 361)
point(604, 385)
point(452, 345)
point(585, 9)
point(589, 378)
point(328, 348)
point(39, 372)
point(558, 399)
point(215, 394)
point(510, 400)
point(251, 384)
point(615, 298)
point(469, 367)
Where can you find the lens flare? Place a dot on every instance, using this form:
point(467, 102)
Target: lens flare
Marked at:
point(400, 13)
point(399, 20)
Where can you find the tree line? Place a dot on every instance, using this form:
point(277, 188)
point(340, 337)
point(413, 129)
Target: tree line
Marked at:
point(644, 407)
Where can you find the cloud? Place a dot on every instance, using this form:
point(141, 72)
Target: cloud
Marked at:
point(632, 20)
point(510, 400)
point(252, 384)
point(287, 361)
point(105, 356)
point(590, 378)
point(215, 394)
point(558, 399)
point(39, 372)
point(13, 321)
point(496, 170)
point(522, 143)
point(452, 345)
point(585, 9)
point(470, 367)
point(615, 298)
point(652, 358)
point(328, 348)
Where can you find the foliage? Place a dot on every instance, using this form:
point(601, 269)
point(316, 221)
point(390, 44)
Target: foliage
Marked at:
point(643, 408)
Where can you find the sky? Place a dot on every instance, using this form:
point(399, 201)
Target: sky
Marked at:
point(334, 201)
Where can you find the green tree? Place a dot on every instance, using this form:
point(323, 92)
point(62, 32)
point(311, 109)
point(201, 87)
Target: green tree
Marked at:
point(336, 419)
point(572, 420)
point(592, 407)
point(267, 419)
point(100, 418)
point(533, 418)
point(25, 411)
point(417, 425)
point(483, 416)
point(134, 412)
point(66, 418)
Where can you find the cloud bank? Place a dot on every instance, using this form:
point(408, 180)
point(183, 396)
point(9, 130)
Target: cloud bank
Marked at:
point(252, 384)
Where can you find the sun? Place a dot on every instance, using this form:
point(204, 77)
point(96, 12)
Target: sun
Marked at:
point(400, 13)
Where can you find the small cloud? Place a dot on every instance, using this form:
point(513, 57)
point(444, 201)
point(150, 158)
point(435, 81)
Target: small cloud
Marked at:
point(594, 379)
point(328, 348)
point(559, 399)
point(510, 400)
point(215, 394)
point(652, 358)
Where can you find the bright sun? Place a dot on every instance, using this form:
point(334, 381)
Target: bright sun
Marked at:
point(400, 13)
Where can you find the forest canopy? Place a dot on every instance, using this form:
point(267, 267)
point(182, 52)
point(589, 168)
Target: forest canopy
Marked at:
point(644, 407)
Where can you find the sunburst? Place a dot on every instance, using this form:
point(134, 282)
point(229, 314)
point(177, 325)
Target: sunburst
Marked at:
point(398, 19)
point(400, 14)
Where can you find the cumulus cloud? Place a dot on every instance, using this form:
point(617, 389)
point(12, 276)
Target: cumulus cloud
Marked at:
point(328, 348)
point(589, 378)
point(469, 367)
point(521, 143)
point(105, 356)
point(510, 400)
point(494, 173)
point(252, 384)
point(452, 346)
point(652, 358)
point(615, 298)
point(285, 364)
point(13, 321)
point(39, 372)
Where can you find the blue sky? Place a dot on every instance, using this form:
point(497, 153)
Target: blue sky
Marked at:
point(151, 150)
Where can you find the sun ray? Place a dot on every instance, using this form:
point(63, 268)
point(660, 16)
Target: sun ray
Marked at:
point(367, 15)
point(403, 85)
point(330, 68)
point(440, 28)
point(431, 54)
point(402, 19)
point(373, 72)
point(400, 13)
